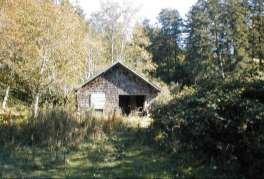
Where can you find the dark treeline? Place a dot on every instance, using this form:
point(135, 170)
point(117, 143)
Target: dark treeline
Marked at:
point(216, 58)
point(216, 39)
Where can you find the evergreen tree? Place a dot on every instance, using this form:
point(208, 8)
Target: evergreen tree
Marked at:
point(257, 29)
point(217, 42)
point(237, 16)
point(199, 43)
point(166, 45)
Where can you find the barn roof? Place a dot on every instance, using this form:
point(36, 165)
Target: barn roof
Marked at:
point(127, 68)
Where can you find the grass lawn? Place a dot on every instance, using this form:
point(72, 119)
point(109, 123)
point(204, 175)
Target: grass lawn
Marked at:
point(122, 154)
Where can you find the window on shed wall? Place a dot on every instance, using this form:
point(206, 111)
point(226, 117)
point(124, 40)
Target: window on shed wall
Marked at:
point(98, 101)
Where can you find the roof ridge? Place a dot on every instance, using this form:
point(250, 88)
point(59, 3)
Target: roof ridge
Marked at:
point(124, 65)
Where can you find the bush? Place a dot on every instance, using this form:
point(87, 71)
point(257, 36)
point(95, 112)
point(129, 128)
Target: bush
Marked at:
point(220, 121)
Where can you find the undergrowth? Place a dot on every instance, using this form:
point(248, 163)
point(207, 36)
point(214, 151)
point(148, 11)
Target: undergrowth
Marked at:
point(55, 127)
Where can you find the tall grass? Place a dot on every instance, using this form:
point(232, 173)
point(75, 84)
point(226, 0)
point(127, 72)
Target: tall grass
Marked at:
point(57, 127)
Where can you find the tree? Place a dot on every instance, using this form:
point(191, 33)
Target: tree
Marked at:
point(96, 47)
point(51, 52)
point(238, 40)
point(115, 36)
point(8, 58)
point(166, 45)
point(217, 38)
point(256, 8)
point(136, 54)
point(219, 114)
point(199, 43)
point(114, 22)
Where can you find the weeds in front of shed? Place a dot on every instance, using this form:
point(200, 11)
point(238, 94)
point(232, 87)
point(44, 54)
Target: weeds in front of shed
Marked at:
point(60, 143)
point(58, 127)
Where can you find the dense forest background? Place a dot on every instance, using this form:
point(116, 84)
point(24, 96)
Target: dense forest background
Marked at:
point(209, 64)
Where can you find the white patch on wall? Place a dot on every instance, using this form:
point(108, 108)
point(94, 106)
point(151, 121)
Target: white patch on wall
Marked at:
point(98, 100)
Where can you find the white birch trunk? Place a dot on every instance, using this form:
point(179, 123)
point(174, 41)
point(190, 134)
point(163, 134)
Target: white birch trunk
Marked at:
point(221, 66)
point(112, 49)
point(90, 64)
point(4, 105)
point(36, 102)
point(121, 57)
point(36, 105)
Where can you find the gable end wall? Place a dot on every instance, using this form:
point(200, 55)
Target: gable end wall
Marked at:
point(117, 81)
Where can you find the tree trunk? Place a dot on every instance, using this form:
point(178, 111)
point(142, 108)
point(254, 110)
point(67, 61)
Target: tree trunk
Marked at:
point(42, 69)
point(6, 97)
point(112, 49)
point(36, 105)
point(89, 65)
point(221, 66)
point(121, 55)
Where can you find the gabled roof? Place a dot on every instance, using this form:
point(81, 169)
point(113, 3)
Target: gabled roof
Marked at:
point(127, 68)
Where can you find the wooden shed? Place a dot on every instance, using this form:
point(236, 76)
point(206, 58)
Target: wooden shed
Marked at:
point(117, 88)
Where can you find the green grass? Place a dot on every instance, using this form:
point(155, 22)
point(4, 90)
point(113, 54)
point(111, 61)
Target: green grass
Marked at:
point(121, 150)
point(119, 155)
point(122, 154)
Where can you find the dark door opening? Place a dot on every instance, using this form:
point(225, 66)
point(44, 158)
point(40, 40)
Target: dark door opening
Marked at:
point(129, 103)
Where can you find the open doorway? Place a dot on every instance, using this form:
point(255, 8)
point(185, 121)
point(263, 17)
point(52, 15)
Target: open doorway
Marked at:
point(129, 103)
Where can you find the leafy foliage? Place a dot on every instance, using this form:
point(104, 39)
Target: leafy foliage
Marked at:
point(42, 47)
point(165, 46)
point(219, 115)
point(218, 120)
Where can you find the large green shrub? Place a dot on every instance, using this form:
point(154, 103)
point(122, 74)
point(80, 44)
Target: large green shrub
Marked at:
point(219, 120)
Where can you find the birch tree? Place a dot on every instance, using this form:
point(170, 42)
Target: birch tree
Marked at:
point(114, 22)
point(52, 46)
point(8, 58)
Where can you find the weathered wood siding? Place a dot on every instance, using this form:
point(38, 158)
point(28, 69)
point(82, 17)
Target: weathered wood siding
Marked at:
point(117, 81)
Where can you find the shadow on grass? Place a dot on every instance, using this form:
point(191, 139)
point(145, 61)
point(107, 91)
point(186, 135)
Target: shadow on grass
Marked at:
point(130, 157)
point(122, 154)
point(126, 153)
